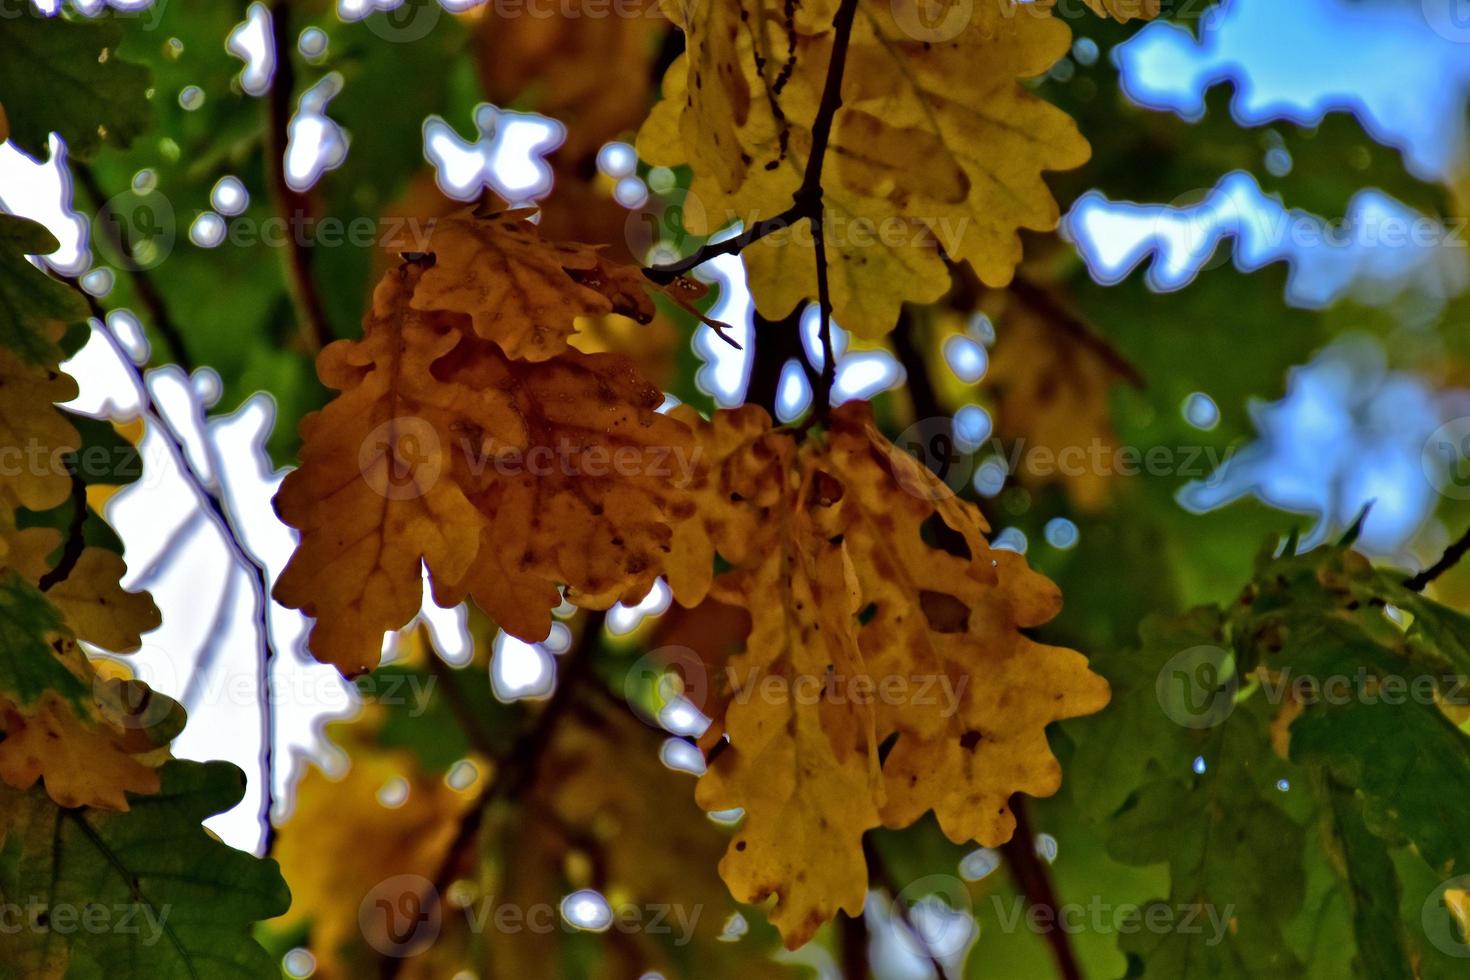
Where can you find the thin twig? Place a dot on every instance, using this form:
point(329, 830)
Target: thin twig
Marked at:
point(1033, 878)
point(1448, 560)
point(75, 534)
point(210, 496)
point(316, 331)
point(459, 706)
point(752, 233)
point(806, 204)
point(809, 194)
point(515, 771)
point(143, 286)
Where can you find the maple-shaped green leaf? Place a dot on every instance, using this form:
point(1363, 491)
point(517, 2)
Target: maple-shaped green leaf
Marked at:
point(28, 668)
point(63, 76)
point(29, 297)
point(1195, 791)
point(164, 898)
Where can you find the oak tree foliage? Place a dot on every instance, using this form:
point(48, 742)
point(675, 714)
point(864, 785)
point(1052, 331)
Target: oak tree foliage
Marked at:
point(494, 405)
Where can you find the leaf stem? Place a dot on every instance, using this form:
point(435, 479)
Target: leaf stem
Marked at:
point(75, 538)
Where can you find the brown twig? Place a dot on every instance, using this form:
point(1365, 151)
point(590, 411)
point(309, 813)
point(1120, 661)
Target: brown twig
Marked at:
point(292, 204)
point(75, 534)
point(1033, 878)
point(1448, 560)
point(143, 285)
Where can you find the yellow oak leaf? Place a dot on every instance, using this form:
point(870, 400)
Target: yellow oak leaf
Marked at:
point(1126, 10)
point(937, 150)
point(36, 437)
point(524, 292)
point(341, 819)
point(92, 602)
point(91, 735)
point(505, 478)
point(586, 498)
point(82, 763)
point(372, 498)
point(878, 611)
point(1052, 392)
point(564, 63)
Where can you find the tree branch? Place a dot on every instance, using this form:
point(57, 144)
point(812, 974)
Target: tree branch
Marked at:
point(143, 285)
point(806, 204)
point(211, 499)
point(515, 771)
point(316, 331)
point(1033, 878)
point(1448, 560)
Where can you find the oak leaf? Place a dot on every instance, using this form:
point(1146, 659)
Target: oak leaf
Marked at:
point(862, 574)
point(1126, 10)
point(506, 478)
point(91, 600)
point(1053, 391)
point(181, 904)
point(523, 292)
point(30, 423)
point(89, 738)
point(936, 150)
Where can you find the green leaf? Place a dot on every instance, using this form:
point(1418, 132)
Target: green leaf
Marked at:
point(62, 76)
point(171, 900)
point(1411, 764)
point(1364, 864)
point(28, 667)
point(28, 297)
point(1234, 856)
